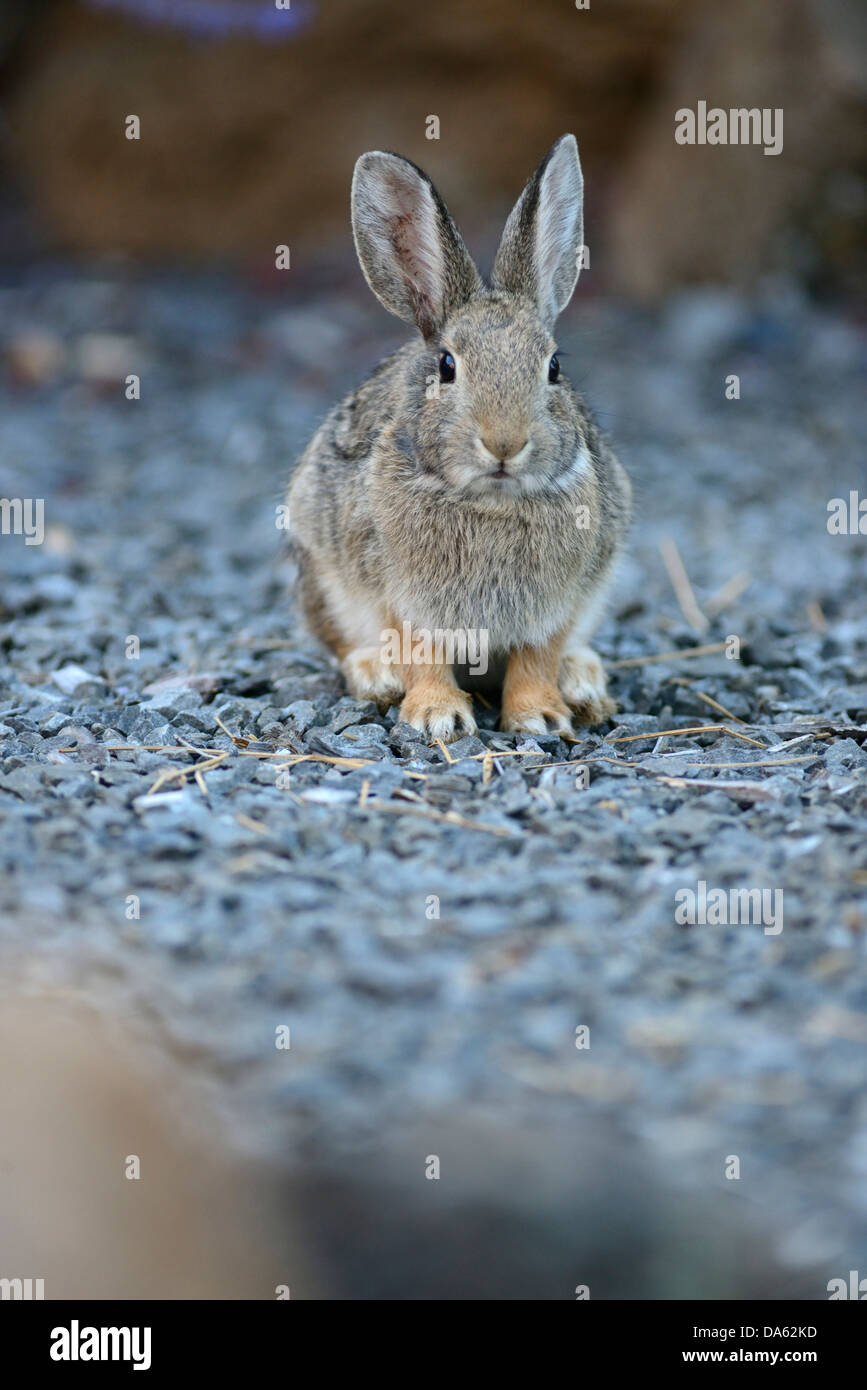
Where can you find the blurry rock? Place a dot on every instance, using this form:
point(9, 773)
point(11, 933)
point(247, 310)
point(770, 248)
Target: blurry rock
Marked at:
point(701, 323)
point(35, 358)
point(70, 678)
point(59, 540)
point(309, 336)
point(515, 1218)
point(106, 358)
point(205, 682)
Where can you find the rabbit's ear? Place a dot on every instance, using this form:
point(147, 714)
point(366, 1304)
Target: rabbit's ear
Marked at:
point(540, 251)
point(410, 250)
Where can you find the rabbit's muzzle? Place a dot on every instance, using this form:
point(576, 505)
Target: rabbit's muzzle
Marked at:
point(505, 454)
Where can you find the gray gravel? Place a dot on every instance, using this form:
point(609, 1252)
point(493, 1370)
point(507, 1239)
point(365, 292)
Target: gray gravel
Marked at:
point(305, 893)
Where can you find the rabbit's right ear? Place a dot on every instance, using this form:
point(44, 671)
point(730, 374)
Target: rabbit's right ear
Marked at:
point(410, 250)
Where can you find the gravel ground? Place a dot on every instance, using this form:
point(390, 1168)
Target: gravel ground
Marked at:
point(433, 927)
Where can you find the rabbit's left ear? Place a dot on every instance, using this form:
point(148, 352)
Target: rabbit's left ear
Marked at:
point(540, 252)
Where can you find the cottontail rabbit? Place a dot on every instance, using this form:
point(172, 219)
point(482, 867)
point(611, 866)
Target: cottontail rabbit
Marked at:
point(464, 488)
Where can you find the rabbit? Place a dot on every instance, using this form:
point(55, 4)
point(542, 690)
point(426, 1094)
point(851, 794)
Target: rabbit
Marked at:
point(464, 486)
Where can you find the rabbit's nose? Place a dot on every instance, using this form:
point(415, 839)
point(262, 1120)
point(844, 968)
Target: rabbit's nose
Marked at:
point(504, 450)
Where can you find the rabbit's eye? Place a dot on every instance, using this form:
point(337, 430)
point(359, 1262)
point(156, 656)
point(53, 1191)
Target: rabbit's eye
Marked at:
point(554, 369)
point(447, 367)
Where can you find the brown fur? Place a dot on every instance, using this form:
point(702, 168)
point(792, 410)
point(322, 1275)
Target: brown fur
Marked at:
point(530, 687)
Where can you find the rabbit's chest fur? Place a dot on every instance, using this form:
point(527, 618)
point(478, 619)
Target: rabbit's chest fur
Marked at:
point(516, 571)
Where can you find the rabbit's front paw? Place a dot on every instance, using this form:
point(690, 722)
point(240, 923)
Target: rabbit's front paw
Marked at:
point(582, 685)
point(369, 677)
point(534, 709)
point(439, 712)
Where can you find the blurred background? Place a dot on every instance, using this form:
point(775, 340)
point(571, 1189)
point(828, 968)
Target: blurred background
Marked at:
point(252, 117)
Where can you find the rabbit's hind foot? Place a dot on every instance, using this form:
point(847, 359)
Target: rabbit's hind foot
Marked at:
point(369, 676)
point(583, 687)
